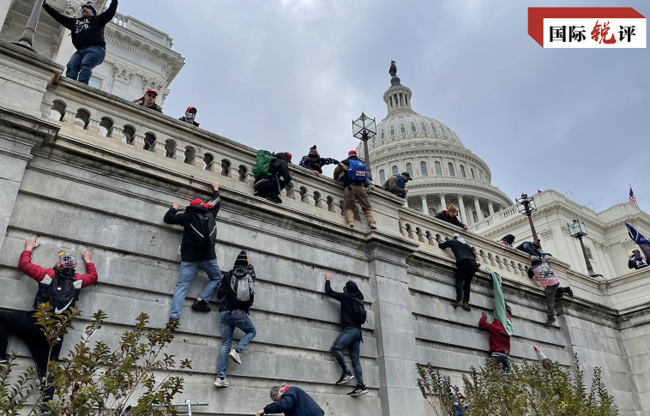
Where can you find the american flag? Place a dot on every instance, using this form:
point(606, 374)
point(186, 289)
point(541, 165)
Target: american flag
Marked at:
point(632, 197)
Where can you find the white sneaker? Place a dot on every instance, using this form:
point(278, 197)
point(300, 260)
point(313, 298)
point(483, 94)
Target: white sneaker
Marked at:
point(221, 382)
point(235, 356)
point(351, 224)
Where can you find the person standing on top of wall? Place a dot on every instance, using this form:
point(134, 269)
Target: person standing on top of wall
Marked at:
point(196, 250)
point(314, 162)
point(272, 174)
point(87, 34)
point(353, 315)
point(22, 324)
point(466, 267)
point(396, 184)
point(149, 100)
point(352, 173)
point(450, 216)
point(190, 116)
point(237, 289)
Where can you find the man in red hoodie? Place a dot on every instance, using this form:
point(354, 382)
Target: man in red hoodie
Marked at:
point(499, 339)
point(23, 325)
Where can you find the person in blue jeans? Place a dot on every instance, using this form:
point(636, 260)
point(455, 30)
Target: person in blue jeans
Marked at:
point(350, 338)
point(87, 34)
point(237, 294)
point(197, 250)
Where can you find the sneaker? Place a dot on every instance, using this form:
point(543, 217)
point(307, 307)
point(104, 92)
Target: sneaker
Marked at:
point(345, 379)
point(568, 291)
point(3, 361)
point(550, 321)
point(466, 306)
point(360, 390)
point(201, 306)
point(456, 304)
point(351, 224)
point(235, 356)
point(372, 226)
point(221, 382)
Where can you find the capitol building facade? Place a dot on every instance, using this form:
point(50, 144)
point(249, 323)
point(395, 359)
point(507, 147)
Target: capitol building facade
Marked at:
point(444, 171)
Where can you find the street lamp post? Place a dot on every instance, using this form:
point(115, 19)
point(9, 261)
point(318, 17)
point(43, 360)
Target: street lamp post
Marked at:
point(27, 40)
point(364, 128)
point(526, 206)
point(578, 230)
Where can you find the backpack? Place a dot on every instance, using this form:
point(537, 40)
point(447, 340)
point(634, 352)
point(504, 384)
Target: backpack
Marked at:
point(201, 229)
point(243, 287)
point(357, 171)
point(359, 315)
point(62, 292)
point(263, 159)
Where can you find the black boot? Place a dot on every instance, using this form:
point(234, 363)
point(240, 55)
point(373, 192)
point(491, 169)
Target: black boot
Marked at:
point(201, 306)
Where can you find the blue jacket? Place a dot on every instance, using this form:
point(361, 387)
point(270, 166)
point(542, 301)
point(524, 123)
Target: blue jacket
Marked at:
point(295, 402)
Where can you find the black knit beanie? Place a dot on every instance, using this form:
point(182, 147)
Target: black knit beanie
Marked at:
point(242, 260)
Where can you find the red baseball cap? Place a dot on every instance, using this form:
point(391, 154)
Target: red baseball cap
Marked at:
point(190, 109)
point(288, 155)
point(352, 152)
point(151, 91)
point(195, 202)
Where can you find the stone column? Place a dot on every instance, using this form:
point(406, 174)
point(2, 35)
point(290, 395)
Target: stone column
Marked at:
point(425, 207)
point(443, 203)
point(477, 206)
point(396, 348)
point(19, 133)
point(462, 211)
point(490, 208)
point(5, 5)
point(66, 49)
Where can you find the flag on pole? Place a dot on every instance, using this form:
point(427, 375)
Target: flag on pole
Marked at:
point(639, 239)
point(632, 197)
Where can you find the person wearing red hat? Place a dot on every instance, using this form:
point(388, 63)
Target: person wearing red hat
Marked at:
point(190, 116)
point(87, 33)
point(352, 173)
point(197, 250)
point(149, 100)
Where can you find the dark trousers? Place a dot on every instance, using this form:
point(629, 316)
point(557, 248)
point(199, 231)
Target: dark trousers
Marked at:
point(270, 187)
point(503, 360)
point(350, 338)
point(551, 293)
point(464, 273)
point(23, 325)
point(82, 62)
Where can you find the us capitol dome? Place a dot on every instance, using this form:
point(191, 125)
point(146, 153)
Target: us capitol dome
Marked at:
point(444, 171)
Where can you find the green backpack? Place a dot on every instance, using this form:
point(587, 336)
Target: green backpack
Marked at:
point(263, 165)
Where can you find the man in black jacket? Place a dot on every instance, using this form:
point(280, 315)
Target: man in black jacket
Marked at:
point(197, 249)
point(237, 283)
point(270, 186)
point(450, 216)
point(190, 116)
point(351, 337)
point(466, 266)
point(87, 34)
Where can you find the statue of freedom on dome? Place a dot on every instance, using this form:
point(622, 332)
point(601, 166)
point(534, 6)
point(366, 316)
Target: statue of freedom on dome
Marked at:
point(393, 69)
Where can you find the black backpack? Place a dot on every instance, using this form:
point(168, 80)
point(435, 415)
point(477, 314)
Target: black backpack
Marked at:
point(62, 292)
point(201, 229)
point(359, 315)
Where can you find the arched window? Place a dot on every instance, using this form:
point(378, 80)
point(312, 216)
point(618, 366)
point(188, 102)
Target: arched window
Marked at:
point(423, 168)
point(451, 169)
point(82, 119)
point(392, 131)
point(208, 160)
point(403, 129)
point(170, 146)
point(395, 170)
point(127, 134)
point(433, 129)
point(149, 142)
point(409, 168)
point(383, 134)
point(58, 110)
point(438, 168)
point(190, 152)
point(106, 127)
point(382, 176)
point(462, 171)
point(413, 128)
point(471, 170)
point(443, 132)
point(424, 128)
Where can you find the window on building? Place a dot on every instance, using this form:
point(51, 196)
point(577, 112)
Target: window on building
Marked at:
point(413, 129)
point(96, 82)
point(409, 169)
point(438, 169)
point(383, 134)
point(443, 132)
point(392, 131)
point(433, 129)
point(451, 169)
point(472, 172)
point(462, 171)
point(424, 128)
point(382, 176)
point(423, 168)
point(402, 129)
point(395, 170)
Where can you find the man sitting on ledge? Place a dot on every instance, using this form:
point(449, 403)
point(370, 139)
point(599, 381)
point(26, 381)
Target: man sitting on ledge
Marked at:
point(87, 34)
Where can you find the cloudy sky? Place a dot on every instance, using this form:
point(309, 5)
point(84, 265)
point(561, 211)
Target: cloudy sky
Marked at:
point(287, 74)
